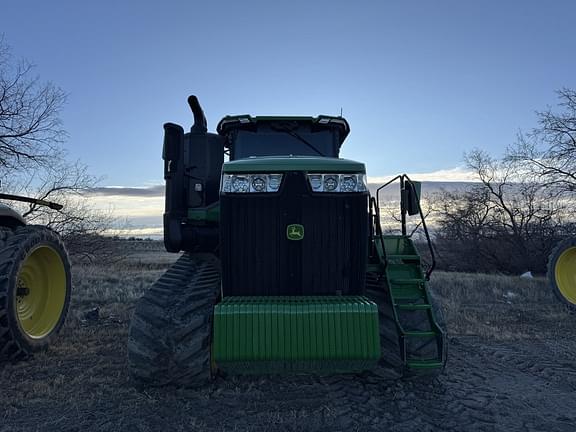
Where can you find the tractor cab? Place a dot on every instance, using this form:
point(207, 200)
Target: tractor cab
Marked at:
point(248, 136)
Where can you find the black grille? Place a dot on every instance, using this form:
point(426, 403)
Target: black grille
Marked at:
point(258, 259)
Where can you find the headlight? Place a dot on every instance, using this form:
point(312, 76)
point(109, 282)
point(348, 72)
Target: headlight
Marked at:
point(330, 183)
point(240, 184)
point(337, 182)
point(274, 182)
point(259, 184)
point(246, 183)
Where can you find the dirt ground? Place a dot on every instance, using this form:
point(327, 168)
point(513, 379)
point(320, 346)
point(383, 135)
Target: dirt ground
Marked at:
point(512, 367)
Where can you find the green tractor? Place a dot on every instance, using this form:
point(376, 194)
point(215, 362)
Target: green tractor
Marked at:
point(562, 272)
point(285, 265)
point(35, 283)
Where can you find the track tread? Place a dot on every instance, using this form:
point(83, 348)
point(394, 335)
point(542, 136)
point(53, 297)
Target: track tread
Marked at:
point(390, 361)
point(170, 333)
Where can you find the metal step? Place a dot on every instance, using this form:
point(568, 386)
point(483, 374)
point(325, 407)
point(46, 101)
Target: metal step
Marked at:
point(413, 306)
point(409, 281)
point(405, 257)
point(420, 333)
point(424, 364)
point(408, 296)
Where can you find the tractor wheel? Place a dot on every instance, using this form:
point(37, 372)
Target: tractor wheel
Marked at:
point(170, 334)
point(562, 272)
point(35, 286)
point(391, 362)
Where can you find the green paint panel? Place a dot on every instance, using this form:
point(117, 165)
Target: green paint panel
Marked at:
point(300, 333)
point(279, 164)
point(205, 214)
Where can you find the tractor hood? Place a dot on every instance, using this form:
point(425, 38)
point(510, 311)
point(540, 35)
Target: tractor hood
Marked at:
point(293, 163)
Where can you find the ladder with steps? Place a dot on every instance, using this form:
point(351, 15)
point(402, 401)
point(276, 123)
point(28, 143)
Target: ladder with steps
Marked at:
point(413, 310)
point(396, 259)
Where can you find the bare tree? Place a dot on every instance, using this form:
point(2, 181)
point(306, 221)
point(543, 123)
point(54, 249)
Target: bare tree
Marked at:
point(508, 222)
point(549, 150)
point(34, 162)
point(30, 127)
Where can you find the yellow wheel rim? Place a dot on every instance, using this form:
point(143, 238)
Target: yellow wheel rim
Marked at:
point(565, 272)
point(41, 292)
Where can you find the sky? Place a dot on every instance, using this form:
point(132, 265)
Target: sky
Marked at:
point(420, 82)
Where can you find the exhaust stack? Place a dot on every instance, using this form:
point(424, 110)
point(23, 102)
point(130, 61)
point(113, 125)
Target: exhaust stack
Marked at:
point(200, 125)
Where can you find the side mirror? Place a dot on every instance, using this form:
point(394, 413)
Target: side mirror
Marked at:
point(413, 189)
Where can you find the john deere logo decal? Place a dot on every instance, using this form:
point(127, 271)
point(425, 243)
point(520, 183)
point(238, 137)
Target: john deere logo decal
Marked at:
point(295, 232)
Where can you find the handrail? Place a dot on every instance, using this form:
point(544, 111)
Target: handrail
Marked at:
point(383, 186)
point(371, 225)
point(403, 178)
point(373, 203)
point(428, 240)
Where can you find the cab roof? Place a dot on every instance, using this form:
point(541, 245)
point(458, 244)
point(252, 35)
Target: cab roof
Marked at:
point(247, 122)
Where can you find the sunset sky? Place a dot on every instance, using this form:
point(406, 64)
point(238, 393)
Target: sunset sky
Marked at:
point(420, 82)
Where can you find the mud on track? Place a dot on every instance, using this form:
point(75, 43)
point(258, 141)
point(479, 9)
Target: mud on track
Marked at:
point(520, 378)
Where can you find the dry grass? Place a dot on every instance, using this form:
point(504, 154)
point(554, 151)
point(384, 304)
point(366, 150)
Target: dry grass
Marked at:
point(500, 307)
point(114, 289)
point(492, 306)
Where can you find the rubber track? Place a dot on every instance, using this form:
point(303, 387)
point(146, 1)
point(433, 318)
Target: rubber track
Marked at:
point(170, 333)
point(390, 364)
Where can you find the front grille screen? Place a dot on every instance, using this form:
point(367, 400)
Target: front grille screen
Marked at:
point(327, 258)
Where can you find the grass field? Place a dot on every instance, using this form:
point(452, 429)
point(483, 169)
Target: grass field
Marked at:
point(501, 307)
point(499, 327)
point(494, 306)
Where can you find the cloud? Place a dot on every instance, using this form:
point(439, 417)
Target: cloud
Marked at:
point(113, 191)
point(457, 174)
point(151, 232)
point(142, 207)
point(126, 206)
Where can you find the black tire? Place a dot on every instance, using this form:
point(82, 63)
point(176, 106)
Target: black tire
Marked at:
point(562, 262)
point(35, 288)
point(391, 364)
point(170, 334)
